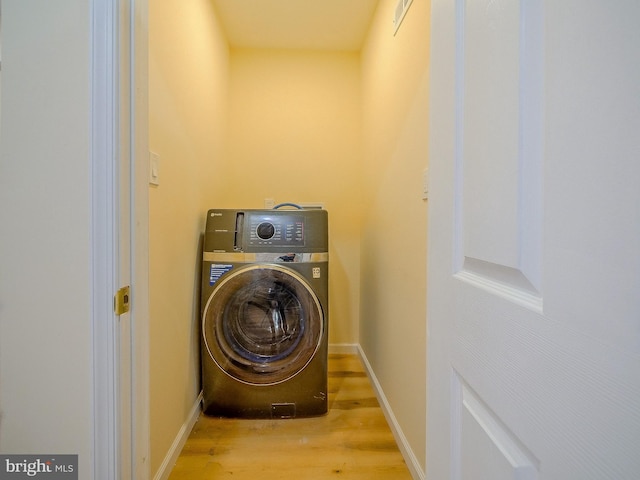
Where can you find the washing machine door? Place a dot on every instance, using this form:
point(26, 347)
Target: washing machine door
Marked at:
point(262, 324)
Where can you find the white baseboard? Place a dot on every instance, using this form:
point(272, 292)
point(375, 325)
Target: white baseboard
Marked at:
point(343, 348)
point(409, 457)
point(181, 438)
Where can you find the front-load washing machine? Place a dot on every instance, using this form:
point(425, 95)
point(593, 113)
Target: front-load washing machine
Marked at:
point(265, 313)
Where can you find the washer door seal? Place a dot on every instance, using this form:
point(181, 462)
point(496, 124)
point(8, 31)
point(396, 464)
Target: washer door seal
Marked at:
point(262, 324)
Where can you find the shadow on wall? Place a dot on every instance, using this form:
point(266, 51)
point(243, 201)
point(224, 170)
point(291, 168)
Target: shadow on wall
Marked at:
point(197, 294)
point(340, 312)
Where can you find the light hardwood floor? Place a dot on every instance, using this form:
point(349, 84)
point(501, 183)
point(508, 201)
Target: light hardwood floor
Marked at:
point(352, 442)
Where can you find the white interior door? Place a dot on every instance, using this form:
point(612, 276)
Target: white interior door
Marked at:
point(534, 236)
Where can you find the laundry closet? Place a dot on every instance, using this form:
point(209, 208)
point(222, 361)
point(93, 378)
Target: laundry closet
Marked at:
point(240, 126)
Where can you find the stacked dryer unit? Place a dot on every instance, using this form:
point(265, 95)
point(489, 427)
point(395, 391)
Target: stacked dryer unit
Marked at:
point(265, 313)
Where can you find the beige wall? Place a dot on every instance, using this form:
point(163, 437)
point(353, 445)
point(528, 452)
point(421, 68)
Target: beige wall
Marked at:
point(188, 73)
point(295, 130)
point(394, 245)
point(343, 129)
point(46, 372)
point(286, 126)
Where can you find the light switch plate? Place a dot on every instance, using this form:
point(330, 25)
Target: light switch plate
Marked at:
point(425, 184)
point(154, 169)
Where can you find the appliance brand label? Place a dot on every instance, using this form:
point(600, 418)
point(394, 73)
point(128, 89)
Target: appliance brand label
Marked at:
point(50, 467)
point(216, 271)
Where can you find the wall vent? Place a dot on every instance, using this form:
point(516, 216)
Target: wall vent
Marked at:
point(400, 12)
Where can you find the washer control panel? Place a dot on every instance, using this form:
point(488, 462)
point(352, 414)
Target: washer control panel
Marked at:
point(266, 231)
point(275, 230)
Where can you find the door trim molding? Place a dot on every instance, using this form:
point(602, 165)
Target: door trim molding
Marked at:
point(139, 121)
point(104, 237)
point(119, 61)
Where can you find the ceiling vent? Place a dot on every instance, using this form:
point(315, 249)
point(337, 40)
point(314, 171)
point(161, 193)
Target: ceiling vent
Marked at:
point(401, 11)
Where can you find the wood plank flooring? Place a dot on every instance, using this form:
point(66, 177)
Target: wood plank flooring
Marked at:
point(352, 442)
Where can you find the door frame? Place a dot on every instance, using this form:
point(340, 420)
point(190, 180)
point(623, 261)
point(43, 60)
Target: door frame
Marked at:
point(119, 236)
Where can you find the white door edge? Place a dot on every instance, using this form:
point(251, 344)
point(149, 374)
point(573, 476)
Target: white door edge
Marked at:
point(104, 237)
point(119, 62)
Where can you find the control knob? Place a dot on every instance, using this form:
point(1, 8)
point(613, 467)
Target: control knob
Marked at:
point(266, 230)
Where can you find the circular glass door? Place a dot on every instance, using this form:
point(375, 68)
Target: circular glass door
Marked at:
point(262, 324)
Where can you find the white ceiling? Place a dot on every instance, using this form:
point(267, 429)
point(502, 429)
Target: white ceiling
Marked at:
point(296, 24)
